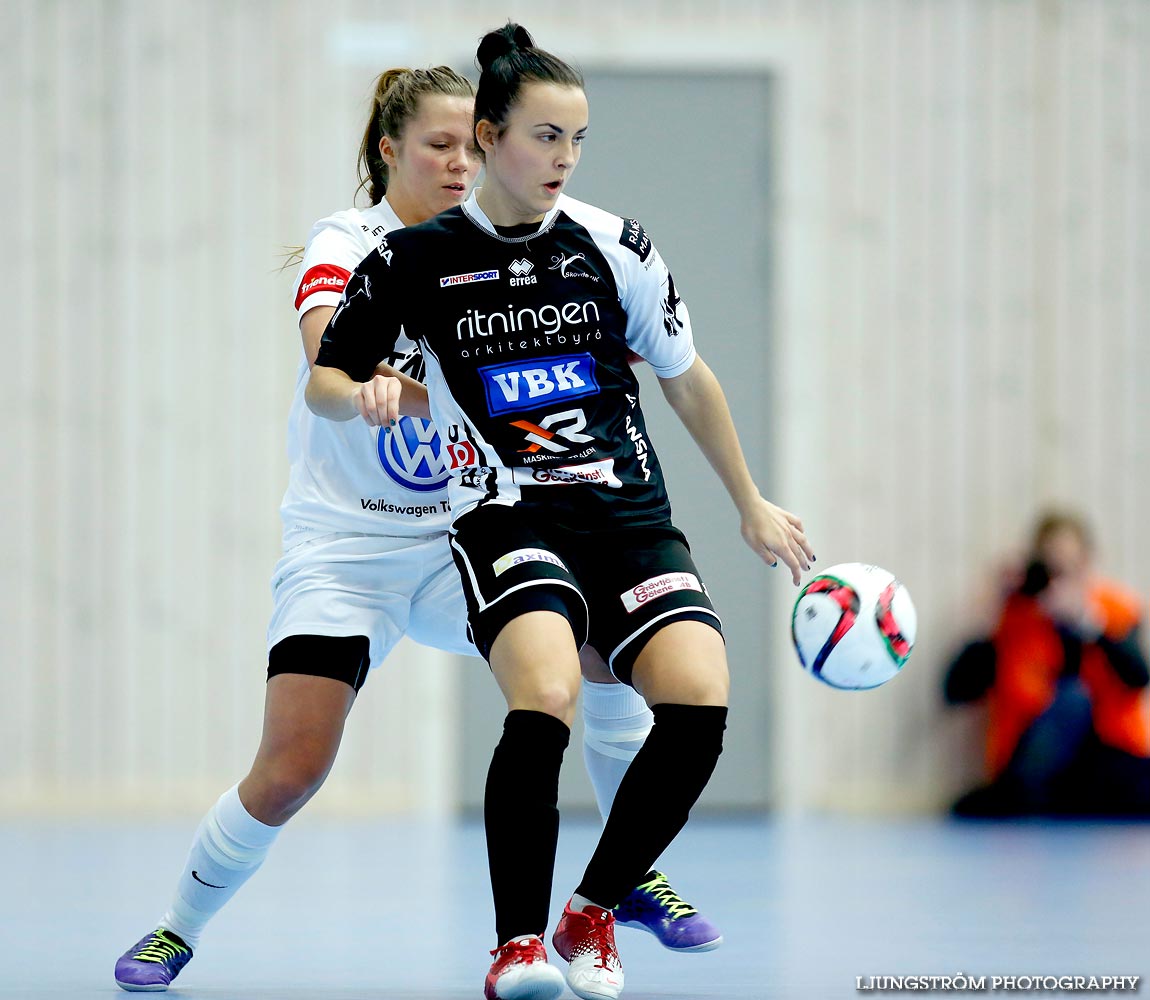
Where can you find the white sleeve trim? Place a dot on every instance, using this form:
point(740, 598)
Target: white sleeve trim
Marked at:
point(679, 367)
point(318, 298)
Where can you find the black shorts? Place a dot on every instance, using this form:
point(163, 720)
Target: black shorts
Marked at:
point(616, 587)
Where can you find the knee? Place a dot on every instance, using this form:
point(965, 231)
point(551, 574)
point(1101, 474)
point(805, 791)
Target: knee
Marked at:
point(553, 698)
point(686, 687)
point(282, 786)
point(705, 691)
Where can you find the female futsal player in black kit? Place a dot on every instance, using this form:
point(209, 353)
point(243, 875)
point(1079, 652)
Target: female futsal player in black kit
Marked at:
point(526, 304)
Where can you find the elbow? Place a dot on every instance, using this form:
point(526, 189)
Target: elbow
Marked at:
point(313, 394)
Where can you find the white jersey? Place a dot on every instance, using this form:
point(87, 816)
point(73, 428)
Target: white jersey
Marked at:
point(346, 476)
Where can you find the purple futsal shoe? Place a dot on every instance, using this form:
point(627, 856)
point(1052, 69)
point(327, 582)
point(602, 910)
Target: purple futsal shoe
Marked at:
point(656, 908)
point(152, 963)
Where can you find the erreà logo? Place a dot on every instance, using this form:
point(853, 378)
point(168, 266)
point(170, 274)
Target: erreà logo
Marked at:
point(526, 385)
point(521, 272)
point(467, 279)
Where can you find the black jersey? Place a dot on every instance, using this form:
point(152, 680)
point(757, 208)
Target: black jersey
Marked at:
point(526, 341)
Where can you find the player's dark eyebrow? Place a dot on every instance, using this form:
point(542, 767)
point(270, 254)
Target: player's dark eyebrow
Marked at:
point(556, 128)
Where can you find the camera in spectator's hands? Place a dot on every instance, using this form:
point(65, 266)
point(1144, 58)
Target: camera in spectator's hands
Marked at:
point(1036, 579)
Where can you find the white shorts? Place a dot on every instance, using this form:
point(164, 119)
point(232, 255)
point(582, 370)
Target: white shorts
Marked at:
point(375, 585)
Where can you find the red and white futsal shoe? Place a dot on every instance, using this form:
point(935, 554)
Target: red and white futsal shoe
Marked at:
point(520, 972)
point(587, 940)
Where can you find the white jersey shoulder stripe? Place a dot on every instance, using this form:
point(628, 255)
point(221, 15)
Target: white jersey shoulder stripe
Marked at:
point(659, 327)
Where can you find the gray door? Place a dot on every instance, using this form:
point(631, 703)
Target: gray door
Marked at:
point(688, 155)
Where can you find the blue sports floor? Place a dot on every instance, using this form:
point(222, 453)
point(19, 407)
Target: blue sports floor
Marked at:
point(400, 910)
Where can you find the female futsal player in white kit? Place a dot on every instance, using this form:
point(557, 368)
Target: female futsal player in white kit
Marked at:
point(366, 558)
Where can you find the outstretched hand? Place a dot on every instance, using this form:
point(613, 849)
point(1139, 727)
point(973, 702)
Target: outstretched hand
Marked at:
point(378, 400)
point(775, 534)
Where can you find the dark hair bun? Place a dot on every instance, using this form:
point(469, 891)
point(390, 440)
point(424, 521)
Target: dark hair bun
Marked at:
point(497, 44)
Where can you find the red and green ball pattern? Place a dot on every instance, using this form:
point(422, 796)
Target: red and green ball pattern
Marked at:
point(847, 598)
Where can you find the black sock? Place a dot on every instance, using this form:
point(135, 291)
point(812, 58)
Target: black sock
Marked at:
point(655, 797)
point(522, 820)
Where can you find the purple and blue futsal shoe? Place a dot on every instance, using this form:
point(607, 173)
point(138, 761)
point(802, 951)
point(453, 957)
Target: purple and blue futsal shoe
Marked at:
point(151, 964)
point(656, 908)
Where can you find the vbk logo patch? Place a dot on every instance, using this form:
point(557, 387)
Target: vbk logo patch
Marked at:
point(410, 454)
point(528, 384)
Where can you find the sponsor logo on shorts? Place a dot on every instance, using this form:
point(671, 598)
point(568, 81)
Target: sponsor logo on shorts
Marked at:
point(521, 556)
point(410, 455)
point(526, 385)
point(600, 473)
point(467, 279)
point(658, 586)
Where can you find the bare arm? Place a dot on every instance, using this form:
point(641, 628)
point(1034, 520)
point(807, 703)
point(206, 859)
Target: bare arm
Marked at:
point(773, 533)
point(410, 395)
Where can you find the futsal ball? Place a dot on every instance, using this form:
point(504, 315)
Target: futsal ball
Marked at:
point(853, 626)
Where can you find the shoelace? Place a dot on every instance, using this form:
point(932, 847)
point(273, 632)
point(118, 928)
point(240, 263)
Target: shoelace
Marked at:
point(158, 949)
point(599, 939)
point(668, 898)
point(514, 946)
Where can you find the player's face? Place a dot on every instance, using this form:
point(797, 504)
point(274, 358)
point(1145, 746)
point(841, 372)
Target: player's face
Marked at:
point(529, 165)
point(434, 165)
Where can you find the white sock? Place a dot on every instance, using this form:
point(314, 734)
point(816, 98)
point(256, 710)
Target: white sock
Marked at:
point(230, 844)
point(616, 721)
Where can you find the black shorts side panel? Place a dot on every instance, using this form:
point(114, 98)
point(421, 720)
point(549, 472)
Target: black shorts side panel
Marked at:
point(637, 582)
point(342, 658)
point(511, 565)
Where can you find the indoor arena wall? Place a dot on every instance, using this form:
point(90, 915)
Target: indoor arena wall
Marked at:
point(959, 233)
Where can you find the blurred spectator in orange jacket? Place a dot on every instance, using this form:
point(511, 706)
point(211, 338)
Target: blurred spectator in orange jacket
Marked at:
point(1065, 680)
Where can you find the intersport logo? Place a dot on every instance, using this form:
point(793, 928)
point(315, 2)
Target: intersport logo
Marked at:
point(467, 279)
